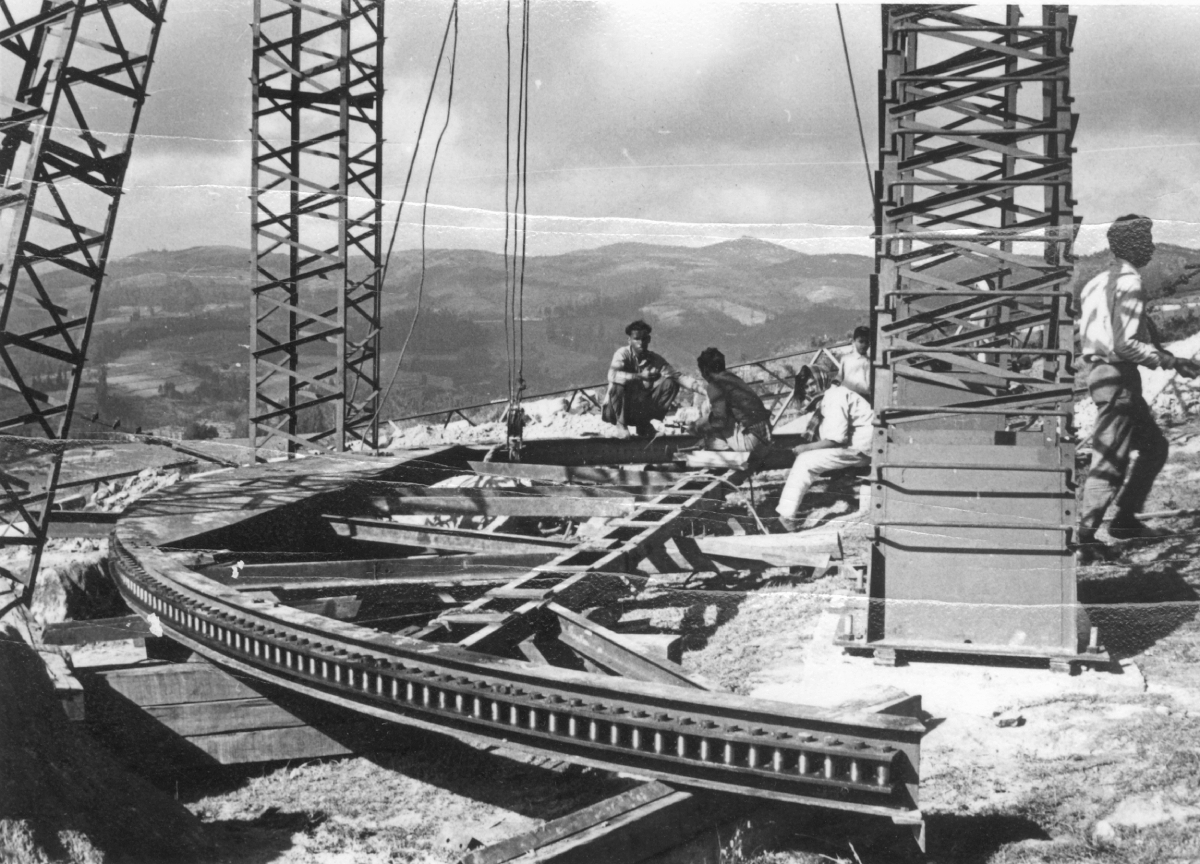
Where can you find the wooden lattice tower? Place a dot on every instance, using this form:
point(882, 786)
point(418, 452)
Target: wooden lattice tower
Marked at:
point(315, 234)
point(973, 497)
point(65, 144)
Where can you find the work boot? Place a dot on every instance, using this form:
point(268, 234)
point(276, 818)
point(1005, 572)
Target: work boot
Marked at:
point(1126, 526)
point(1089, 550)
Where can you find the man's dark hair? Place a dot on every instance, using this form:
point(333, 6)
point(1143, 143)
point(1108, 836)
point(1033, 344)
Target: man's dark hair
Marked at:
point(638, 326)
point(710, 362)
point(1130, 238)
point(862, 332)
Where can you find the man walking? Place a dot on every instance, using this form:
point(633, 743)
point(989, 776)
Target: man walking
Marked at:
point(1117, 336)
point(843, 421)
point(641, 385)
point(737, 418)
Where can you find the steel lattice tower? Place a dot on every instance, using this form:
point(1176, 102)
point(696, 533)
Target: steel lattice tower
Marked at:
point(315, 234)
point(973, 492)
point(64, 148)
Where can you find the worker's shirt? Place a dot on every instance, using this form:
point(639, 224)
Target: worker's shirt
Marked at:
point(625, 366)
point(732, 402)
point(846, 419)
point(1115, 327)
point(855, 370)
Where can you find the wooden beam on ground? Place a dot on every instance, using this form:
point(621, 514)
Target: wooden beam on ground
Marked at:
point(616, 653)
point(467, 502)
point(807, 549)
point(575, 474)
point(81, 523)
point(95, 631)
point(381, 571)
point(625, 829)
point(436, 537)
point(413, 490)
point(583, 577)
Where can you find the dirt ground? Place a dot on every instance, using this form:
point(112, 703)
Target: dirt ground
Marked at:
point(1018, 765)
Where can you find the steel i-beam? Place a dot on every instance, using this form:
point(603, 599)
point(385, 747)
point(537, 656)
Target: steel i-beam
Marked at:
point(315, 236)
point(65, 144)
point(973, 458)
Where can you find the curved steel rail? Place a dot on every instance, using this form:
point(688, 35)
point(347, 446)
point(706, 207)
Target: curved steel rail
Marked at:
point(857, 761)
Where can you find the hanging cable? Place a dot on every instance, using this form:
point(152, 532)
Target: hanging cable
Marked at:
point(516, 219)
point(508, 335)
point(451, 26)
point(523, 177)
point(854, 94)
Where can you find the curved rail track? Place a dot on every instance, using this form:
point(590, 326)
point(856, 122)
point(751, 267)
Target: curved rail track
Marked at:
point(857, 760)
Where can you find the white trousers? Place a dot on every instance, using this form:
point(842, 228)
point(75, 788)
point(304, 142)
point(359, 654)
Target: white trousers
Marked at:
point(810, 465)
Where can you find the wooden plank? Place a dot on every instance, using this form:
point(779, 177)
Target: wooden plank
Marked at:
point(575, 474)
point(627, 829)
point(343, 608)
point(173, 683)
point(434, 537)
point(79, 523)
point(777, 550)
point(111, 653)
point(97, 630)
point(616, 653)
point(664, 646)
point(67, 688)
point(274, 745)
point(560, 829)
point(230, 715)
point(415, 568)
point(464, 503)
point(413, 490)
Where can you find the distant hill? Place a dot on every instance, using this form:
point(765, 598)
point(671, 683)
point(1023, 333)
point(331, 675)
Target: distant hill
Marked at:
point(173, 323)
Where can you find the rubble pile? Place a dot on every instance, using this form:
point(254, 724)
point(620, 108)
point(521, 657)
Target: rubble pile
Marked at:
point(113, 496)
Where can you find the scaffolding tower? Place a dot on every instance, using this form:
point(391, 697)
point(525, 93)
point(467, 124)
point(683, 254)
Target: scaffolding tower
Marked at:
point(315, 225)
point(65, 142)
point(973, 502)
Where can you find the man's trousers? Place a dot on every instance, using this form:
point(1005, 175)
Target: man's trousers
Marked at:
point(634, 404)
point(1124, 423)
point(810, 465)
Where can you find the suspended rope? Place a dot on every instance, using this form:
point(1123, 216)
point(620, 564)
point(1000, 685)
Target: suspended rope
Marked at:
point(854, 94)
point(516, 218)
point(451, 28)
point(524, 182)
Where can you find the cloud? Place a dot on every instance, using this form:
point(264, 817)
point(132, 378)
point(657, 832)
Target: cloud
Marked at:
point(754, 95)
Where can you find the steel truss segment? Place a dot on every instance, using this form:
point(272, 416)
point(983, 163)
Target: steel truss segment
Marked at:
point(972, 312)
point(315, 225)
point(974, 193)
point(64, 148)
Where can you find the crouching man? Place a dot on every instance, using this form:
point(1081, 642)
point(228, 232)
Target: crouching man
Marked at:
point(642, 386)
point(737, 418)
point(843, 421)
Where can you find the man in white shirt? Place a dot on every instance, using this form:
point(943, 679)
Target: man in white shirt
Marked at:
point(1117, 336)
point(855, 364)
point(842, 440)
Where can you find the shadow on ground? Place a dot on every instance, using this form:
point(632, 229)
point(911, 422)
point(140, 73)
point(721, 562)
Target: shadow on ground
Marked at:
point(1138, 607)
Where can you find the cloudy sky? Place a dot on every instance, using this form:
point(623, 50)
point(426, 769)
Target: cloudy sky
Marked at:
point(671, 121)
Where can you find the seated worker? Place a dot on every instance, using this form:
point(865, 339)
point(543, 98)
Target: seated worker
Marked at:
point(843, 422)
point(855, 364)
point(641, 384)
point(737, 418)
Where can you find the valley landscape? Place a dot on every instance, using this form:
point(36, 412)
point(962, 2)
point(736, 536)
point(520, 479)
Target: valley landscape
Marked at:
point(169, 351)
